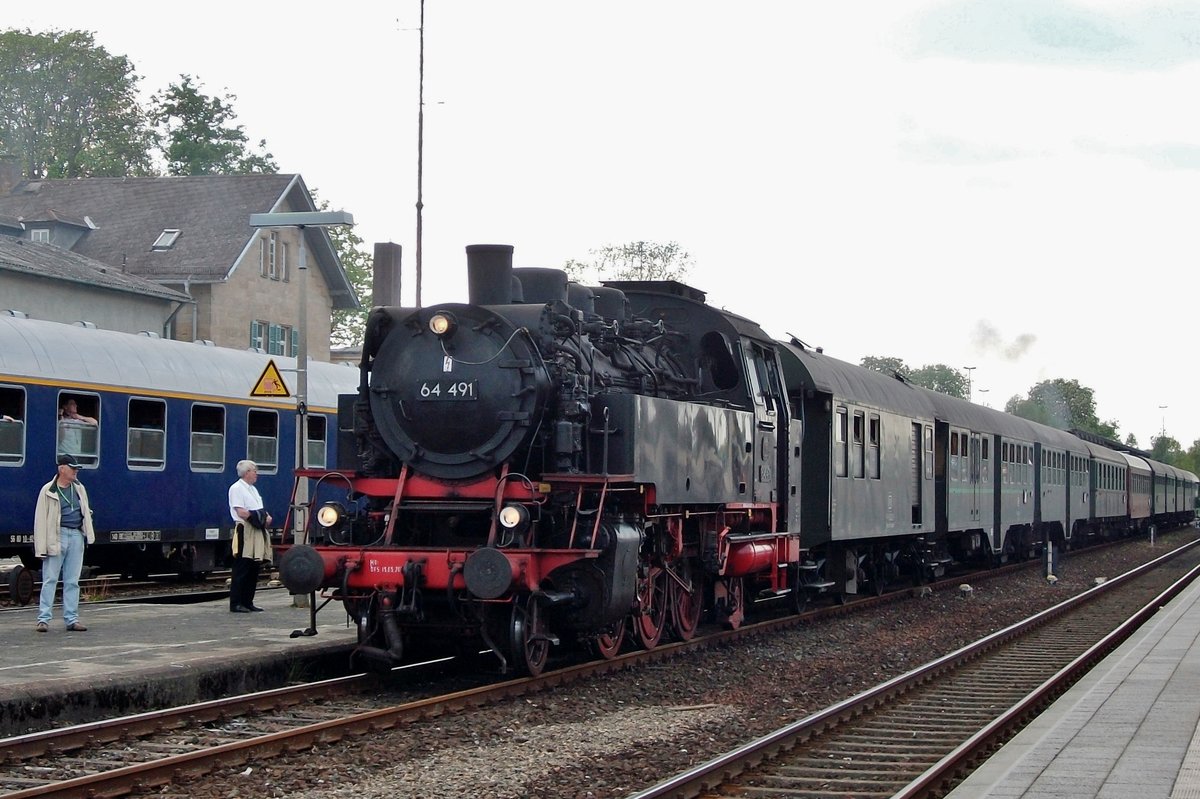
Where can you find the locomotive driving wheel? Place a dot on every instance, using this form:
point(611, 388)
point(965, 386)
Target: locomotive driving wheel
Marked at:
point(529, 641)
point(650, 619)
point(686, 597)
point(608, 643)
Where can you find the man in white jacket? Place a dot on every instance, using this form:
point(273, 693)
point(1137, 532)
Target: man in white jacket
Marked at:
point(62, 526)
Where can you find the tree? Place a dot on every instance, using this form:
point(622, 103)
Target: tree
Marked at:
point(198, 136)
point(1166, 449)
point(1063, 404)
point(1131, 441)
point(68, 109)
point(349, 325)
point(885, 364)
point(936, 377)
point(637, 260)
point(942, 378)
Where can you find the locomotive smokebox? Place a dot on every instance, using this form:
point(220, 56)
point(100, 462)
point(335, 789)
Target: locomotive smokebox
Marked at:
point(489, 274)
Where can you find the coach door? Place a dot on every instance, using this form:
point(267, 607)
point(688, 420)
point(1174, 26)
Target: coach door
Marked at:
point(974, 476)
point(767, 391)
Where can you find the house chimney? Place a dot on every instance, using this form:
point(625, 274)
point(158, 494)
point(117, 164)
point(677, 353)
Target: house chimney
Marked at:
point(10, 173)
point(385, 281)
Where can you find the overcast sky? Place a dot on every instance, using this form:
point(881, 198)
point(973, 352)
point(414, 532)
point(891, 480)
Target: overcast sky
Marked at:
point(1011, 185)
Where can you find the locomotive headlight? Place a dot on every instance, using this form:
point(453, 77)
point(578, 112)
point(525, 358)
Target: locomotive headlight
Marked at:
point(330, 514)
point(514, 517)
point(442, 324)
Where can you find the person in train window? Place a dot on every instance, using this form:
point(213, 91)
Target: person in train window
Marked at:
point(251, 542)
point(70, 410)
point(62, 526)
point(70, 436)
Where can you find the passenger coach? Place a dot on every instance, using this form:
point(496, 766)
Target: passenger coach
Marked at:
point(173, 419)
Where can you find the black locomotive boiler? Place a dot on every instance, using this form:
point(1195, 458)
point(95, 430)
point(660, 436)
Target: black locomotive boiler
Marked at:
point(552, 463)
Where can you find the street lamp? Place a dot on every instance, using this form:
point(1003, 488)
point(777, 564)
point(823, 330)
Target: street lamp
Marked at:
point(968, 370)
point(984, 399)
point(302, 220)
point(1163, 434)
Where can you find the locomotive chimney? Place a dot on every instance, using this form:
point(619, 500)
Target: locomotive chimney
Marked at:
point(489, 274)
point(385, 280)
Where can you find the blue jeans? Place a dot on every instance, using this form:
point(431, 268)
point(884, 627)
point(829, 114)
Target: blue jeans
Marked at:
point(68, 563)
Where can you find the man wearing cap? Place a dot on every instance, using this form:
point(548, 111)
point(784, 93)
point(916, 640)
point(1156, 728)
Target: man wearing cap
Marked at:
point(62, 523)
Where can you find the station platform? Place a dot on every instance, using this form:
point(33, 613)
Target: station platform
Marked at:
point(136, 656)
point(1127, 729)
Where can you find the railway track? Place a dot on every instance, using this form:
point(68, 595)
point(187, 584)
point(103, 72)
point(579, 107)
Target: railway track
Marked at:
point(111, 588)
point(142, 752)
point(919, 734)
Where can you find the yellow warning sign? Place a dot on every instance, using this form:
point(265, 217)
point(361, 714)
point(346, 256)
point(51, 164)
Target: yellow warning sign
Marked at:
point(270, 383)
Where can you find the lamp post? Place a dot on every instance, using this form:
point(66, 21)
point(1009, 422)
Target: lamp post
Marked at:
point(1163, 434)
point(968, 370)
point(984, 399)
point(301, 220)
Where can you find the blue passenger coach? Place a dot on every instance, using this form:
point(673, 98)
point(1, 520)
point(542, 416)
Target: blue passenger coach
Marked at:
point(172, 419)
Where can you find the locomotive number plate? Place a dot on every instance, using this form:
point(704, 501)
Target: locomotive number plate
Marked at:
point(449, 390)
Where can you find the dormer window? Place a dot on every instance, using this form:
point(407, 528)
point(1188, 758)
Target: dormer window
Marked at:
point(166, 239)
point(41, 234)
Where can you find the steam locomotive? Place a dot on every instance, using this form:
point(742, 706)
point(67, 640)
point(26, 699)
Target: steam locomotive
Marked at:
point(552, 463)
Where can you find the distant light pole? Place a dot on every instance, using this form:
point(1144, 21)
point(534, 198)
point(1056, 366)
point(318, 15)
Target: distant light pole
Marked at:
point(1163, 434)
point(420, 145)
point(984, 400)
point(301, 220)
point(968, 370)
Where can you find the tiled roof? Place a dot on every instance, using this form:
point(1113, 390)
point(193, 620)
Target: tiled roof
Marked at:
point(49, 261)
point(212, 213)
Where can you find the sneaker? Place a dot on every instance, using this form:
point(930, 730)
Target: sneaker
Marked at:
point(42, 627)
point(76, 627)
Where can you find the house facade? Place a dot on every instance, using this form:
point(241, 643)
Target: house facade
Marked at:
point(222, 280)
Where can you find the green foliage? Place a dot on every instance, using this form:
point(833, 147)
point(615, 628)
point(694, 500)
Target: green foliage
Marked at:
point(1063, 404)
point(885, 364)
point(349, 325)
point(942, 378)
point(1166, 449)
point(936, 377)
point(68, 109)
point(637, 260)
point(198, 136)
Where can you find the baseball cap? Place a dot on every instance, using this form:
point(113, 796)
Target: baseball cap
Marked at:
point(68, 460)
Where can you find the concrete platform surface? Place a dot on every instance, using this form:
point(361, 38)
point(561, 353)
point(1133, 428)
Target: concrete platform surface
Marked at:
point(142, 655)
point(1128, 730)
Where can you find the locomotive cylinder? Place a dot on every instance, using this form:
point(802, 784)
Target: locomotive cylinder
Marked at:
point(749, 557)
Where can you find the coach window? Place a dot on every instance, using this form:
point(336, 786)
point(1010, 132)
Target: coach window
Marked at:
point(79, 426)
point(928, 452)
point(984, 460)
point(147, 434)
point(208, 438)
point(858, 454)
point(873, 442)
point(315, 454)
point(839, 441)
point(12, 426)
point(954, 456)
point(262, 440)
